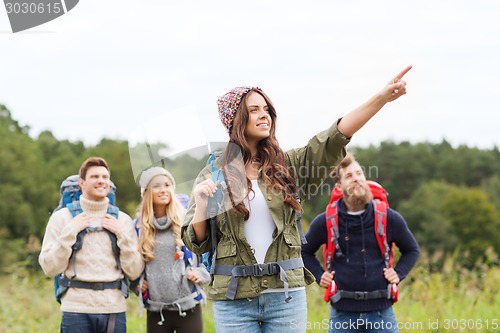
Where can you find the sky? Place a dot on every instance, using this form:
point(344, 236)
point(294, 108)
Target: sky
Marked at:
point(154, 68)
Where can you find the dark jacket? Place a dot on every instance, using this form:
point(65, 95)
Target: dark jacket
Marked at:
point(358, 270)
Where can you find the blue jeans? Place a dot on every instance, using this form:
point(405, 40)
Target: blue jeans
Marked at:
point(268, 313)
point(367, 322)
point(91, 322)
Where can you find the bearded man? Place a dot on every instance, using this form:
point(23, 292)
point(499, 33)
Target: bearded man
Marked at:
point(363, 302)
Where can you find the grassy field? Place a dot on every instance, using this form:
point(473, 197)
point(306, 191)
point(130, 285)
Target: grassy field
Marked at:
point(452, 300)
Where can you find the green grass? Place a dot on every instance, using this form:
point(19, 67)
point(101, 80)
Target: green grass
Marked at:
point(454, 299)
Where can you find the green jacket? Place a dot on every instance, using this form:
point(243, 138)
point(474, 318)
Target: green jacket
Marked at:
point(312, 165)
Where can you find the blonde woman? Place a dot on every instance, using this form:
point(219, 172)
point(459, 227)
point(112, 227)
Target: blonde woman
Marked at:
point(172, 276)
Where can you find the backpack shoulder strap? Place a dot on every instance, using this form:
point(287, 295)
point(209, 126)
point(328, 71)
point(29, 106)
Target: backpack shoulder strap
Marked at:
point(387, 251)
point(74, 208)
point(219, 181)
point(188, 256)
point(113, 210)
point(332, 229)
point(137, 226)
point(298, 221)
point(214, 204)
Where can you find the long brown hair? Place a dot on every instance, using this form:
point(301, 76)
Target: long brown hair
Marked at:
point(272, 159)
point(174, 211)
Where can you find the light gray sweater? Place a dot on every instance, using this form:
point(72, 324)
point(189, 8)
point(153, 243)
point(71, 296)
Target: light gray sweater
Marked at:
point(166, 276)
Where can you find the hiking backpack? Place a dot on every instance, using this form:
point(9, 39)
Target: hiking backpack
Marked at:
point(332, 248)
point(70, 196)
point(183, 199)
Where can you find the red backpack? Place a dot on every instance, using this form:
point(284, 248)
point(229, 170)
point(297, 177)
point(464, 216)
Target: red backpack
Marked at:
point(380, 204)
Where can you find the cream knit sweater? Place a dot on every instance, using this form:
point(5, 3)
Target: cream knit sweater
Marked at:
point(95, 262)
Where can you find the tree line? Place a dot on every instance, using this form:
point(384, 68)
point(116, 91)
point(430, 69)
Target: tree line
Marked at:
point(449, 196)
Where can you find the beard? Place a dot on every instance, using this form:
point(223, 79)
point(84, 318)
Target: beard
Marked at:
point(357, 197)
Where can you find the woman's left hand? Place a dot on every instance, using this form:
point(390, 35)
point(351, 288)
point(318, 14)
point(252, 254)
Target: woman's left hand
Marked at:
point(144, 286)
point(194, 276)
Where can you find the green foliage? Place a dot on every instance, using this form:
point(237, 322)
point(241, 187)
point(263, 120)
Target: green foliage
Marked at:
point(20, 194)
point(475, 219)
point(443, 216)
point(427, 296)
point(13, 254)
point(427, 218)
point(491, 187)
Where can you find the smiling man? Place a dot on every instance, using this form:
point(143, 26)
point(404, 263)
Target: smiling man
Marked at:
point(94, 279)
point(364, 282)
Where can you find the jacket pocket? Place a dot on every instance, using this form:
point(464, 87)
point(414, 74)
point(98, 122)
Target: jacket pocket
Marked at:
point(293, 246)
point(292, 240)
point(226, 249)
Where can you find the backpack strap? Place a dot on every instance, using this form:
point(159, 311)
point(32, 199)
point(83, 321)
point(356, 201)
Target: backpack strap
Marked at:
point(271, 268)
point(188, 256)
point(189, 262)
point(113, 211)
point(137, 226)
point(214, 206)
point(75, 209)
point(360, 295)
point(176, 305)
point(67, 283)
point(298, 215)
point(380, 210)
point(332, 228)
point(332, 248)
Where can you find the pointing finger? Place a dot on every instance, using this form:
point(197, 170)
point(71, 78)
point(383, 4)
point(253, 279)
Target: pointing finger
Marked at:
point(402, 73)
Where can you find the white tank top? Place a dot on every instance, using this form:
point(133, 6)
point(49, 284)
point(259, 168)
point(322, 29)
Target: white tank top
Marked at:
point(259, 229)
point(260, 225)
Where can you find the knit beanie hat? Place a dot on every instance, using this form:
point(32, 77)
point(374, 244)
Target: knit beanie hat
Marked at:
point(228, 105)
point(149, 174)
